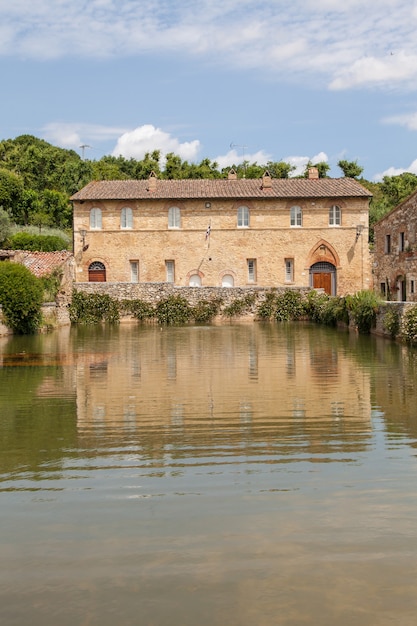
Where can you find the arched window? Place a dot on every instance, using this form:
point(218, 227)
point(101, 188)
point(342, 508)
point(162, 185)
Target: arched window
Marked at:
point(97, 272)
point(228, 281)
point(95, 219)
point(195, 280)
point(126, 217)
point(174, 217)
point(296, 216)
point(243, 217)
point(335, 216)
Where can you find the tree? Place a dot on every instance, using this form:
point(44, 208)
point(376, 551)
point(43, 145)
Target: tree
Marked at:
point(11, 191)
point(21, 297)
point(397, 188)
point(5, 225)
point(350, 169)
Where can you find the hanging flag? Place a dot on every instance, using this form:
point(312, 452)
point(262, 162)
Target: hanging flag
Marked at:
point(208, 232)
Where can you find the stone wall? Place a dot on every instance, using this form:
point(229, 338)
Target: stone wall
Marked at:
point(154, 292)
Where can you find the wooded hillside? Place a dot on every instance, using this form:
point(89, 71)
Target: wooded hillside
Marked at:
point(37, 179)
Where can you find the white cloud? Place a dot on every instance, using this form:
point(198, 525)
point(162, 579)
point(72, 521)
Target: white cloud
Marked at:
point(396, 171)
point(68, 135)
point(393, 68)
point(342, 44)
point(300, 162)
point(235, 157)
point(136, 143)
point(409, 120)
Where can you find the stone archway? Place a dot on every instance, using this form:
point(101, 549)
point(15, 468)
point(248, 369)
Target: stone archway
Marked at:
point(323, 261)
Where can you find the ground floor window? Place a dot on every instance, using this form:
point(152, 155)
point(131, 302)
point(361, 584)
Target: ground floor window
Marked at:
point(134, 271)
point(170, 271)
point(228, 281)
point(251, 270)
point(195, 280)
point(289, 270)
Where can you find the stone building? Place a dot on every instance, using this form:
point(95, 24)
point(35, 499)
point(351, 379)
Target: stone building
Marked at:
point(229, 232)
point(395, 263)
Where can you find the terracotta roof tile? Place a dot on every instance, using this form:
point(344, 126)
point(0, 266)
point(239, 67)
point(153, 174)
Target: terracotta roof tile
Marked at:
point(42, 263)
point(207, 188)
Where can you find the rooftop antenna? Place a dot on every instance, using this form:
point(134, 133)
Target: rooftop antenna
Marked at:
point(236, 145)
point(83, 147)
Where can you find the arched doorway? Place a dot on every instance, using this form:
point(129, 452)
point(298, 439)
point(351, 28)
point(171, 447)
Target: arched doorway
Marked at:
point(97, 272)
point(323, 276)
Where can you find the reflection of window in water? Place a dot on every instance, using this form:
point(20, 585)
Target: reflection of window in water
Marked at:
point(246, 412)
point(298, 408)
point(253, 362)
point(99, 412)
point(177, 414)
point(290, 361)
point(129, 413)
point(338, 408)
point(136, 369)
point(172, 366)
point(98, 371)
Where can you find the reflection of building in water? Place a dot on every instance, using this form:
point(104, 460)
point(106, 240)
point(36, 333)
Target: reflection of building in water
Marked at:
point(217, 381)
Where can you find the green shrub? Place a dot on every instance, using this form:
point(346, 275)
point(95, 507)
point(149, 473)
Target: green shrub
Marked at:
point(289, 306)
point(51, 284)
point(206, 310)
point(325, 309)
point(391, 322)
point(173, 310)
point(140, 309)
point(37, 243)
point(267, 308)
point(363, 307)
point(93, 308)
point(21, 297)
point(409, 329)
point(239, 306)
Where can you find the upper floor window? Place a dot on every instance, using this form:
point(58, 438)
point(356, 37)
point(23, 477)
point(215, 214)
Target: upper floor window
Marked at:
point(387, 249)
point(95, 219)
point(174, 217)
point(243, 217)
point(296, 216)
point(335, 216)
point(126, 218)
point(401, 242)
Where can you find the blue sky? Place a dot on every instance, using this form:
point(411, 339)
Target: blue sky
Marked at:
point(231, 79)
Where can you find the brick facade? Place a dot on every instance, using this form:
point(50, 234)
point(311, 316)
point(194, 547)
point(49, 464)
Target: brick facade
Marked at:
point(267, 251)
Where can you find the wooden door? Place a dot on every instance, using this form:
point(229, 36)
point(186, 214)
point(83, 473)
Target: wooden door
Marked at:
point(323, 280)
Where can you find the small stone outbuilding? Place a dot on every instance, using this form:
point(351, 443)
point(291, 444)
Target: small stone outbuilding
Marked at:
point(395, 258)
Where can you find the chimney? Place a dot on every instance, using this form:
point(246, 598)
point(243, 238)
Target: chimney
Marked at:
point(313, 173)
point(152, 182)
point(266, 180)
point(232, 175)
